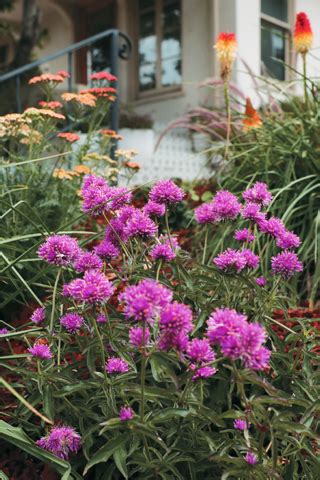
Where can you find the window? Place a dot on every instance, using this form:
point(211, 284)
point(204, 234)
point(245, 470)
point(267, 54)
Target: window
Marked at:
point(275, 34)
point(159, 45)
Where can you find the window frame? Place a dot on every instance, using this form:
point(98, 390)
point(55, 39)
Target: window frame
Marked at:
point(287, 27)
point(159, 90)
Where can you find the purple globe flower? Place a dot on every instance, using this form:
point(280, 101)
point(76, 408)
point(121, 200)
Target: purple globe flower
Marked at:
point(88, 261)
point(239, 339)
point(3, 331)
point(99, 197)
point(205, 213)
point(252, 211)
point(106, 249)
point(61, 441)
point(93, 288)
point(139, 336)
point(166, 192)
point(116, 365)
point(244, 235)
point(288, 240)
point(126, 413)
point(38, 316)
point(163, 251)
point(251, 458)
point(60, 250)
point(200, 351)
point(41, 351)
point(175, 325)
point(258, 193)
point(274, 227)
point(226, 205)
point(239, 424)
point(202, 372)
point(101, 318)
point(230, 259)
point(261, 281)
point(252, 260)
point(154, 209)
point(286, 264)
point(72, 322)
point(144, 301)
point(139, 225)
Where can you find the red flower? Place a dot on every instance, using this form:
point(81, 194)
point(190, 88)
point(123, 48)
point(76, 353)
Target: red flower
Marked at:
point(303, 36)
point(69, 137)
point(104, 76)
point(252, 118)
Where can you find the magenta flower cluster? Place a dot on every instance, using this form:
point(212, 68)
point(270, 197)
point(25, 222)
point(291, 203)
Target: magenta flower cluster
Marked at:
point(116, 365)
point(239, 339)
point(72, 322)
point(61, 441)
point(144, 301)
point(223, 206)
point(93, 288)
point(236, 260)
point(165, 250)
point(41, 351)
point(98, 197)
point(201, 355)
point(126, 413)
point(165, 192)
point(60, 250)
point(38, 315)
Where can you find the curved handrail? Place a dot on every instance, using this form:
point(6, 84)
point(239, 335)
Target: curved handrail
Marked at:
point(75, 46)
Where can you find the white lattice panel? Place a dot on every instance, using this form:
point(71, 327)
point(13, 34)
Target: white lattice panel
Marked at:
point(173, 158)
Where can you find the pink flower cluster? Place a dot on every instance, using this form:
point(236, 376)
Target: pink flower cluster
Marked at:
point(93, 288)
point(239, 339)
point(223, 206)
point(236, 260)
point(61, 441)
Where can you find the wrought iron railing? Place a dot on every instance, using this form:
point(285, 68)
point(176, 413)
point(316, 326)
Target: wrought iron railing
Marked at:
point(120, 48)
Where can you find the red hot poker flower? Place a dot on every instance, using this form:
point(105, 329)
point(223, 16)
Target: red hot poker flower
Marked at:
point(252, 118)
point(303, 36)
point(226, 47)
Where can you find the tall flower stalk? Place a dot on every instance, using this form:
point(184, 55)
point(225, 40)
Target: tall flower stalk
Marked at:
point(226, 47)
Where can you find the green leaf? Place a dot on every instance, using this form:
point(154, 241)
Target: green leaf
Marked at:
point(120, 458)
point(3, 476)
point(170, 413)
point(105, 452)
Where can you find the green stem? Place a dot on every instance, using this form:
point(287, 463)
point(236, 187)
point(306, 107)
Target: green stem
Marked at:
point(24, 402)
point(304, 63)
point(54, 300)
point(205, 245)
point(158, 270)
point(102, 351)
point(143, 379)
point(168, 229)
point(228, 111)
point(186, 388)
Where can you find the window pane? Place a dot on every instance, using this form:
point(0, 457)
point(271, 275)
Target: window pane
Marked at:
point(275, 8)
point(147, 51)
point(146, 4)
point(273, 45)
point(171, 44)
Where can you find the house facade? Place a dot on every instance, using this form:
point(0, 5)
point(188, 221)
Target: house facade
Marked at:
point(172, 46)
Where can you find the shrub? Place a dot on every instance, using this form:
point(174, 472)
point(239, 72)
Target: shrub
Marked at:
point(165, 365)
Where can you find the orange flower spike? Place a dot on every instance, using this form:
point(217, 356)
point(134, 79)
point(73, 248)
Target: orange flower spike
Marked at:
point(226, 47)
point(252, 118)
point(303, 36)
